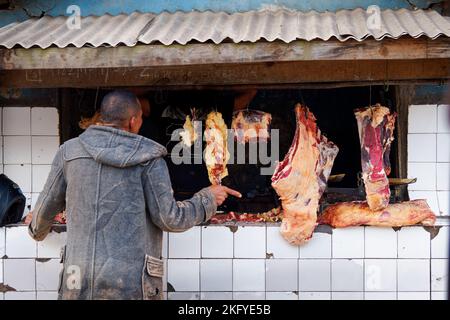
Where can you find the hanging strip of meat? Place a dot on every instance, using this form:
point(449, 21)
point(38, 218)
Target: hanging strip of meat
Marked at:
point(356, 213)
point(301, 177)
point(376, 128)
point(216, 151)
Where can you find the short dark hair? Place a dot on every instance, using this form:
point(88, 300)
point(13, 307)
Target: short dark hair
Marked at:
point(119, 106)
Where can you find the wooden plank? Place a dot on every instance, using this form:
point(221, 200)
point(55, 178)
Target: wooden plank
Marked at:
point(404, 95)
point(225, 53)
point(285, 73)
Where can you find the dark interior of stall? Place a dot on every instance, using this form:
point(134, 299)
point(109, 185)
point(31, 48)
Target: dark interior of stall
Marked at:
point(333, 109)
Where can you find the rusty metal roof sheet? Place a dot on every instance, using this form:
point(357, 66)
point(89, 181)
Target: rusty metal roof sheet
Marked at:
point(184, 27)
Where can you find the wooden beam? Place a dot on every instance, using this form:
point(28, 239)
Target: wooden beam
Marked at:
point(224, 53)
point(281, 73)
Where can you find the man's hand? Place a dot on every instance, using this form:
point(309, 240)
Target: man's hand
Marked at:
point(221, 193)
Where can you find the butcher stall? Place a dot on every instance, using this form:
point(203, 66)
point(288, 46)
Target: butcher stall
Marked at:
point(334, 130)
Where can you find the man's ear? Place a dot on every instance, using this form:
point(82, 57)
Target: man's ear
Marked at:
point(132, 121)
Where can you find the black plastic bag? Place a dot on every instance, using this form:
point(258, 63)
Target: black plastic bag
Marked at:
point(12, 201)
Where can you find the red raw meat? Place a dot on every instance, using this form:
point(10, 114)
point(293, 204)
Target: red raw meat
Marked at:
point(301, 177)
point(356, 213)
point(376, 128)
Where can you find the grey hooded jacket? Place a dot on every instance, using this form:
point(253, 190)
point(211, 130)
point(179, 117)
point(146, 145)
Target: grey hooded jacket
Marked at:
point(116, 190)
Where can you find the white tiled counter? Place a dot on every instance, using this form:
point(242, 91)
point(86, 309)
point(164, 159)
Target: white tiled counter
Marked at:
point(208, 262)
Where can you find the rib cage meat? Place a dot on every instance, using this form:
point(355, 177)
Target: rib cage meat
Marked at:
point(301, 177)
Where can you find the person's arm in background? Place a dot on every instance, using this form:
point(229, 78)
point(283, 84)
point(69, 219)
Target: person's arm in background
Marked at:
point(51, 200)
point(176, 216)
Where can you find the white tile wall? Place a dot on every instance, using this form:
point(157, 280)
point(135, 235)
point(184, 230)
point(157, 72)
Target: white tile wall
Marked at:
point(47, 274)
point(278, 246)
point(183, 296)
point(216, 296)
point(443, 125)
point(20, 174)
point(429, 155)
point(347, 275)
point(318, 247)
point(380, 295)
point(249, 275)
point(20, 295)
point(51, 246)
point(422, 119)
point(19, 244)
point(185, 244)
point(17, 149)
point(44, 121)
point(425, 174)
point(16, 121)
point(250, 242)
point(44, 149)
point(216, 275)
point(413, 274)
point(47, 295)
point(443, 176)
point(443, 150)
point(2, 296)
point(413, 296)
point(413, 242)
point(217, 242)
point(39, 177)
point(314, 275)
point(20, 274)
point(444, 200)
point(439, 274)
point(249, 295)
point(2, 242)
point(282, 275)
point(380, 242)
point(348, 242)
point(281, 296)
point(430, 196)
point(422, 147)
point(380, 275)
point(347, 296)
point(437, 295)
point(1, 270)
point(314, 295)
point(440, 244)
point(184, 274)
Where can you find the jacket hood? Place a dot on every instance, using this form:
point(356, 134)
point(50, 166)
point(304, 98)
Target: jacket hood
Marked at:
point(119, 148)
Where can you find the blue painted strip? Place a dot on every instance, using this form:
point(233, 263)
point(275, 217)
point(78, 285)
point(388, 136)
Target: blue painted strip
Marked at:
point(88, 7)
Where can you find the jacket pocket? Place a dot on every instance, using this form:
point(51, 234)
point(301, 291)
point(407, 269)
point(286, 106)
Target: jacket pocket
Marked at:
point(152, 275)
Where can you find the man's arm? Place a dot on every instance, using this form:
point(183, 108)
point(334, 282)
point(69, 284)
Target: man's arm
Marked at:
point(51, 201)
point(168, 214)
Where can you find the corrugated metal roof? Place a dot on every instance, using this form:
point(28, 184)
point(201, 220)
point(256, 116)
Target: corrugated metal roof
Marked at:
point(252, 26)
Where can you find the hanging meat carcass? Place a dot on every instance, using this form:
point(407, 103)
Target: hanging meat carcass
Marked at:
point(216, 151)
point(301, 177)
point(356, 213)
point(376, 128)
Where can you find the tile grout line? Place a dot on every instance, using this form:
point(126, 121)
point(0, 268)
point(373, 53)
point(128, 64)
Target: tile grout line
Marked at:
point(364, 263)
point(396, 265)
